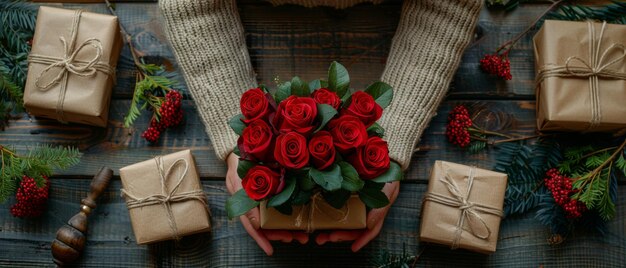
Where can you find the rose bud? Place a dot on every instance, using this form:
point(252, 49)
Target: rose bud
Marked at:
point(296, 114)
point(348, 133)
point(261, 182)
point(371, 160)
point(256, 140)
point(291, 150)
point(254, 105)
point(325, 96)
point(322, 150)
point(363, 106)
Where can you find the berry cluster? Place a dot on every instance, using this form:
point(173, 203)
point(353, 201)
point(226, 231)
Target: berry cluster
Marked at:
point(458, 122)
point(498, 65)
point(171, 115)
point(561, 188)
point(31, 200)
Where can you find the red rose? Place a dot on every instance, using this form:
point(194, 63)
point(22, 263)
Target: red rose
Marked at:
point(291, 150)
point(256, 140)
point(371, 160)
point(322, 150)
point(296, 114)
point(363, 106)
point(254, 105)
point(261, 182)
point(348, 133)
point(325, 96)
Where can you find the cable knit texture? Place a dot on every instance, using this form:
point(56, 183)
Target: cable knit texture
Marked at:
point(425, 53)
point(208, 41)
point(210, 47)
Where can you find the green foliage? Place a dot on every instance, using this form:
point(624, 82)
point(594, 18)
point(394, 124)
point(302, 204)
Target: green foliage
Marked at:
point(376, 129)
point(282, 92)
point(372, 196)
point(381, 92)
point(329, 180)
point(351, 180)
point(243, 167)
point(611, 13)
point(239, 203)
point(285, 194)
point(236, 124)
point(152, 85)
point(386, 259)
point(394, 173)
point(525, 166)
point(338, 78)
point(40, 161)
point(325, 113)
point(299, 87)
point(337, 199)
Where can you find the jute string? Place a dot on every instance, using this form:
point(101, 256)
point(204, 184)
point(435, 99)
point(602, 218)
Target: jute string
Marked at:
point(318, 205)
point(594, 68)
point(69, 64)
point(469, 210)
point(166, 198)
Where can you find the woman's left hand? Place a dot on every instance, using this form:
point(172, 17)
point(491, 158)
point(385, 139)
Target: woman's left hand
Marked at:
point(375, 220)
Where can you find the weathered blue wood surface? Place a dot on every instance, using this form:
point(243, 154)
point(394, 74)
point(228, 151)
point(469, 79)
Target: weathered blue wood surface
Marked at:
point(286, 41)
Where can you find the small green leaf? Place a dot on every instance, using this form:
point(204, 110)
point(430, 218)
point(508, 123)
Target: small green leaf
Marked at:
point(376, 129)
point(325, 113)
point(381, 92)
point(236, 151)
point(337, 199)
point(315, 84)
point(394, 173)
point(282, 92)
point(373, 198)
point(338, 78)
point(236, 124)
point(351, 181)
point(329, 179)
point(306, 183)
point(243, 167)
point(285, 194)
point(239, 203)
point(345, 99)
point(301, 197)
point(299, 87)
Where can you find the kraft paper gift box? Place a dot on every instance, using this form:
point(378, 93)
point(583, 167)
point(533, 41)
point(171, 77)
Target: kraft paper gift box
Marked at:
point(316, 215)
point(581, 75)
point(463, 207)
point(165, 198)
point(71, 68)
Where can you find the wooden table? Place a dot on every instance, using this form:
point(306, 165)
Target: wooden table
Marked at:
point(287, 41)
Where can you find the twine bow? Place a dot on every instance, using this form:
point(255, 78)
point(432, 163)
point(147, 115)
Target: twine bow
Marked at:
point(469, 210)
point(318, 205)
point(69, 64)
point(594, 68)
point(166, 198)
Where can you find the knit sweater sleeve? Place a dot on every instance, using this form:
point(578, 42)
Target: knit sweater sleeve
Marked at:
point(209, 44)
point(425, 53)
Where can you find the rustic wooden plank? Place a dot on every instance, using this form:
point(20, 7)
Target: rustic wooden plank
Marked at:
point(522, 240)
point(118, 147)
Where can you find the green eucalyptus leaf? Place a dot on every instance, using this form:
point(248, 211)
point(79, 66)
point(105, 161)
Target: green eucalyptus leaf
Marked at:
point(381, 92)
point(351, 181)
point(394, 173)
point(337, 199)
point(243, 167)
point(239, 203)
point(285, 194)
point(282, 92)
point(315, 84)
point(329, 179)
point(338, 78)
point(236, 124)
point(299, 87)
point(325, 113)
point(301, 197)
point(376, 129)
point(306, 183)
point(373, 198)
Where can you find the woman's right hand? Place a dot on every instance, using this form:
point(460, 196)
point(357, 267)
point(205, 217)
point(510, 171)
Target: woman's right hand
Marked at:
point(250, 220)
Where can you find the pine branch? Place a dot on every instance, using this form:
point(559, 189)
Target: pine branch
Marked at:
point(612, 13)
point(386, 259)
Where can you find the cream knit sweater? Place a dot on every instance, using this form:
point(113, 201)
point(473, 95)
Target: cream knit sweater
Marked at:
point(209, 44)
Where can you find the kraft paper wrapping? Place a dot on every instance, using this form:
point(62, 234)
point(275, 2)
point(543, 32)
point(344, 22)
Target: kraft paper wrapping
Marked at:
point(87, 98)
point(323, 217)
point(565, 103)
point(150, 223)
point(439, 222)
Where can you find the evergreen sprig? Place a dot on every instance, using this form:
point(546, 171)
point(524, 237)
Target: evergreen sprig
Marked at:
point(38, 162)
point(152, 84)
point(386, 259)
point(611, 13)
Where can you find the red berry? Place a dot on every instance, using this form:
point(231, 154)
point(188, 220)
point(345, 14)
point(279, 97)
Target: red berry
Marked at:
point(31, 200)
point(561, 188)
point(171, 115)
point(458, 122)
point(498, 65)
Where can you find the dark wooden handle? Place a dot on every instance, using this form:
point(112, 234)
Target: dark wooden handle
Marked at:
point(98, 184)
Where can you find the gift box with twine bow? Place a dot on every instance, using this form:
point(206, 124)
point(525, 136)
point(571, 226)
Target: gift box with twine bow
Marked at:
point(317, 214)
point(463, 207)
point(581, 76)
point(165, 199)
point(71, 69)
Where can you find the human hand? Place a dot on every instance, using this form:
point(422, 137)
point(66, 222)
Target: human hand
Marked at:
point(375, 220)
point(250, 220)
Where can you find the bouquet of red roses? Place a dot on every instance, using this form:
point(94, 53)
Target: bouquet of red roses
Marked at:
point(312, 138)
